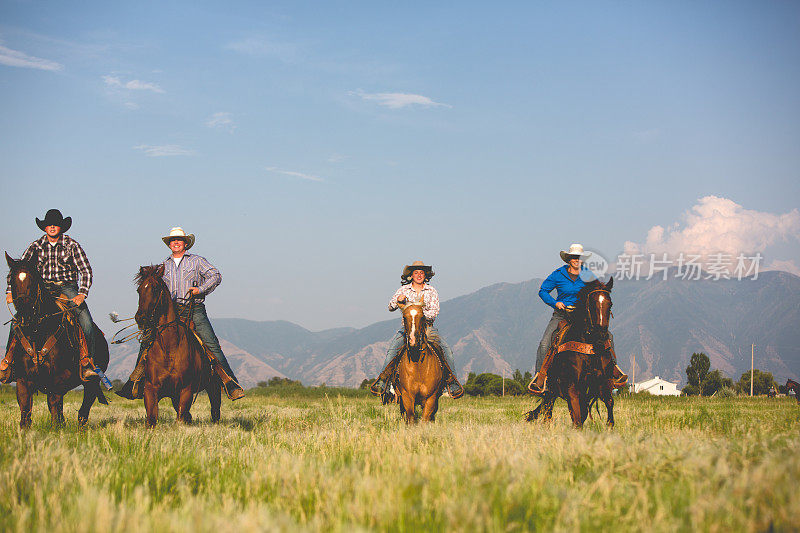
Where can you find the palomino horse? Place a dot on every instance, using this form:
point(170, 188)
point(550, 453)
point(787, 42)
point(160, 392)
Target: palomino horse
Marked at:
point(792, 385)
point(46, 353)
point(419, 372)
point(581, 373)
point(175, 365)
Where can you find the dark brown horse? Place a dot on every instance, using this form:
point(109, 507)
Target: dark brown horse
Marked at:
point(46, 353)
point(175, 364)
point(419, 372)
point(582, 372)
point(792, 385)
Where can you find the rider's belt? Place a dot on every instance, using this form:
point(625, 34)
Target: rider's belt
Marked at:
point(580, 347)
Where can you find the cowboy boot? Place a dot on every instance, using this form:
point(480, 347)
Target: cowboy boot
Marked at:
point(379, 386)
point(132, 389)
point(231, 387)
point(618, 378)
point(86, 365)
point(538, 384)
point(5, 364)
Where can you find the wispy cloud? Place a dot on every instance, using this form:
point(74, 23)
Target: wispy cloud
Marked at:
point(15, 58)
point(260, 47)
point(336, 158)
point(134, 85)
point(294, 174)
point(398, 100)
point(221, 120)
point(164, 150)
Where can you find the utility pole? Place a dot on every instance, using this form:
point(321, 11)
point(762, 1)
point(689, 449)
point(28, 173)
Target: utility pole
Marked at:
point(504, 381)
point(752, 349)
point(633, 373)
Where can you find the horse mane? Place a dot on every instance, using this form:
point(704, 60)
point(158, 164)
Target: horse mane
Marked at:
point(144, 273)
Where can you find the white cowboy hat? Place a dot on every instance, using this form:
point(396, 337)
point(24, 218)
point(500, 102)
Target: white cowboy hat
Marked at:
point(574, 249)
point(178, 233)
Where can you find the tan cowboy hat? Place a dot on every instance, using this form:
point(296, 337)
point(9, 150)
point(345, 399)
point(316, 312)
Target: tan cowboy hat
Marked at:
point(574, 249)
point(178, 233)
point(417, 265)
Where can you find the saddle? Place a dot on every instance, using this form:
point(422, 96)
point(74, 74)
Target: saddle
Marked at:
point(557, 343)
point(391, 375)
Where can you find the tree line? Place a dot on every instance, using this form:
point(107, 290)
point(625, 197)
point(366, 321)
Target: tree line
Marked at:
point(702, 381)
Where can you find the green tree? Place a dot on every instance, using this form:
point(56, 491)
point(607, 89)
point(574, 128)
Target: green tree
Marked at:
point(697, 370)
point(714, 381)
point(365, 384)
point(762, 382)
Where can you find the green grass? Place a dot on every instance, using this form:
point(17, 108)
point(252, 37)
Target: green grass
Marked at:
point(306, 461)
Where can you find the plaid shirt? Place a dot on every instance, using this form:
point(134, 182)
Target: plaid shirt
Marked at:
point(431, 307)
point(191, 271)
point(64, 261)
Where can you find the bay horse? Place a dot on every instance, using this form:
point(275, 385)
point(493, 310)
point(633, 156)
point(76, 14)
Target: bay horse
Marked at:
point(175, 364)
point(792, 385)
point(46, 353)
point(581, 373)
point(419, 372)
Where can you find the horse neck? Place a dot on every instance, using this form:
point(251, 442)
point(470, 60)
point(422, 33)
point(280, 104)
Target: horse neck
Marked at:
point(169, 313)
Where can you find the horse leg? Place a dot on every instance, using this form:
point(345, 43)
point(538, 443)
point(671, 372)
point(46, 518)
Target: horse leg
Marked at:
point(89, 394)
point(608, 399)
point(184, 405)
point(407, 407)
point(214, 391)
point(25, 401)
point(150, 404)
point(55, 402)
point(429, 408)
point(575, 407)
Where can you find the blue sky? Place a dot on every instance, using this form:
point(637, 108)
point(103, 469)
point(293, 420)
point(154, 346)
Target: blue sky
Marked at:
point(316, 148)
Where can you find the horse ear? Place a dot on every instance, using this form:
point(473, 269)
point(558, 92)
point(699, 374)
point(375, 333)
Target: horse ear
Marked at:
point(610, 283)
point(160, 271)
point(10, 261)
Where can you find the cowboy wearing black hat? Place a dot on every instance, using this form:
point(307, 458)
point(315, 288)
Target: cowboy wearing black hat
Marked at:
point(66, 271)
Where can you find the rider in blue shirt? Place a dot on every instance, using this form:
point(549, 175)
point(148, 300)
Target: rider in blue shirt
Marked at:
point(567, 281)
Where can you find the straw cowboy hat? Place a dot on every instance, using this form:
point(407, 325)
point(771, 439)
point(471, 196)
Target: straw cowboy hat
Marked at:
point(54, 218)
point(178, 233)
point(417, 265)
point(574, 249)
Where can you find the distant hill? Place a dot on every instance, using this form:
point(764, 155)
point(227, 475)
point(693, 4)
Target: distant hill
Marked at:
point(497, 328)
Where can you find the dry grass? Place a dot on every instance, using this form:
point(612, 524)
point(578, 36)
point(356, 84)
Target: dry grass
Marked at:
point(296, 462)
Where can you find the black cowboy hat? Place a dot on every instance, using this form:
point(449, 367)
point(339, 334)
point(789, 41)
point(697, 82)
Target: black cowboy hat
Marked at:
point(54, 218)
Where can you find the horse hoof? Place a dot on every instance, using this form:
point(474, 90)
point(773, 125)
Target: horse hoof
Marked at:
point(83, 420)
point(530, 416)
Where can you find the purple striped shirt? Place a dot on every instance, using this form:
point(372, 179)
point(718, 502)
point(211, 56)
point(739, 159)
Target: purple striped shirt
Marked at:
point(192, 271)
point(63, 261)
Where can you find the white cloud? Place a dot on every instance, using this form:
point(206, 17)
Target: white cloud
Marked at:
point(164, 150)
point(15, 58)
point(294, 174)
point(719, 225)
point(398, 100)
point(336, 158)
point(133, 85)
point(786, 266)
point(221, 120)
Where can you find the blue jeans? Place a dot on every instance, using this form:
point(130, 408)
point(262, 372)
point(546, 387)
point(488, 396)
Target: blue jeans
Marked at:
point(547, 338)
point(206, 333)
point(70, 290)
point(399, 340)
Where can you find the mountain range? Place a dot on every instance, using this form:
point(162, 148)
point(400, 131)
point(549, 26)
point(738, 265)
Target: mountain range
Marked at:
point(657, 323)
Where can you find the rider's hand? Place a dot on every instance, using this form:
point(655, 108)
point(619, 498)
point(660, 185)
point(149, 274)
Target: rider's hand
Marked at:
point(9, 298)
point(194, 290)
point(560, 305)
point(78, 300)
point(401, 299)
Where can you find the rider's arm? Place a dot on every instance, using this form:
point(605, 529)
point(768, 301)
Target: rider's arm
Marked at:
point(547, 287)
point(431, 309)
point(209, 276)
point(393, 300)
point(84, 268)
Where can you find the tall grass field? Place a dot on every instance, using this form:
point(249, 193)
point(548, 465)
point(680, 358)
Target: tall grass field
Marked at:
point(339, 461)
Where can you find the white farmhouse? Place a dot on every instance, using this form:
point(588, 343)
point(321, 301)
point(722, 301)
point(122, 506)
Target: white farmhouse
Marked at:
point(657, 387)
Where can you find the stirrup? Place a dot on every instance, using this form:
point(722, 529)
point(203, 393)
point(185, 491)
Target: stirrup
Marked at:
point(374, 389)
point(534, 389)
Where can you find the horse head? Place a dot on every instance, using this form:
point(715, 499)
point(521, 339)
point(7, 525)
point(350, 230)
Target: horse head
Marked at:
point(595, 302)
point(414, 324)
point(153, 294)
point(26, 287)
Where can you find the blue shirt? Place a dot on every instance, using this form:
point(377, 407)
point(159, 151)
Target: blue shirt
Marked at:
point(191, 271)
point(567, 288)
